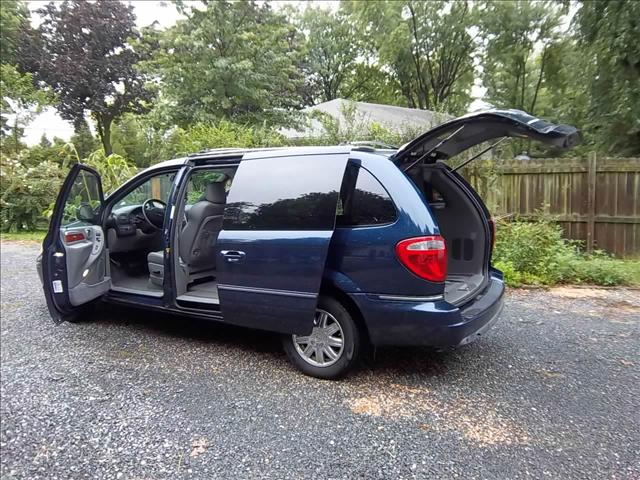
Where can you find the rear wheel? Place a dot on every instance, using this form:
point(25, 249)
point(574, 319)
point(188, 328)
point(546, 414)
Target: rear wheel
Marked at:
point(333, 346)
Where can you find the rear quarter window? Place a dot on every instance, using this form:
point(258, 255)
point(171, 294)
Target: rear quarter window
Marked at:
point(364, 201)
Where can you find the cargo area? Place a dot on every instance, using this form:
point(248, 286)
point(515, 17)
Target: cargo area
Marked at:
point(464, 228)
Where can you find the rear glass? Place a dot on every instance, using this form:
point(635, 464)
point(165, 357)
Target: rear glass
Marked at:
point(366, 203)
point(297, 193)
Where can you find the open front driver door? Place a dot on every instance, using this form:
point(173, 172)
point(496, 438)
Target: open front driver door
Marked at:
point(74, 258)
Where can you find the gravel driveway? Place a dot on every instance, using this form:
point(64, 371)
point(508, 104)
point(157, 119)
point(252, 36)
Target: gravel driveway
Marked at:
point(553, 391)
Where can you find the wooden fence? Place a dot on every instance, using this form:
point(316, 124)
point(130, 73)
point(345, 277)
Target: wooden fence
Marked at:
point(596, 200)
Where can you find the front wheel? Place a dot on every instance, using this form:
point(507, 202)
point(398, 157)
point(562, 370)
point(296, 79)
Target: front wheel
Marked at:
point(333, 346)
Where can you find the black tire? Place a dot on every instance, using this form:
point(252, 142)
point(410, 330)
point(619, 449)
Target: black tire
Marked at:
point(350, 353)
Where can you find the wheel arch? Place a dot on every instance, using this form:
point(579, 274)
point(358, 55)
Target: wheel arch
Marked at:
point(328, 287)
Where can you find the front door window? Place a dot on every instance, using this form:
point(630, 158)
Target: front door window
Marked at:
point(82, 204)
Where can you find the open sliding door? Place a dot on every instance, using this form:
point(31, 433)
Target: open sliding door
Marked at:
point(271, 253)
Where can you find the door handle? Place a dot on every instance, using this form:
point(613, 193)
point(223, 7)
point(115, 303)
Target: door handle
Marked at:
point(233, 256)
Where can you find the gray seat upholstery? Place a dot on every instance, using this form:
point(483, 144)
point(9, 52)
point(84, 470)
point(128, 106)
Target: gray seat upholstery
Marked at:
point(198, 236)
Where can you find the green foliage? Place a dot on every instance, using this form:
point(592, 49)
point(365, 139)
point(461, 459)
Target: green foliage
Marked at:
point(353, 127)
point(535, 249)
point(520, 37)
point(534, 253)
point(609, 45)
point(19, 98)
point(14, 15)
point(228, 60)
point(27, 191)
point(198, 184)
point(36, 236)
point(221, 135)
point(31, 181)
point(57, 152)
point(135, 137)
point(333, 48)
point(426, 46)
point(601, 269)
point(114, 170)
point(83, 140)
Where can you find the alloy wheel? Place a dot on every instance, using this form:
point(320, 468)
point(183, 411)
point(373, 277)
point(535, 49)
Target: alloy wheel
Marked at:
point(325, 345)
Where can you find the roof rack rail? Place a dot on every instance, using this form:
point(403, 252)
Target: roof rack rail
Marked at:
point(212, 151)
point(372, 143)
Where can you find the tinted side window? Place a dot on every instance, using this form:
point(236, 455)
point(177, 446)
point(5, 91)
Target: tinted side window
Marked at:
point(297, 193)
point(367, 203)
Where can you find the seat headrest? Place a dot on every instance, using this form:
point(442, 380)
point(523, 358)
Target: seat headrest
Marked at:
point(215, 193)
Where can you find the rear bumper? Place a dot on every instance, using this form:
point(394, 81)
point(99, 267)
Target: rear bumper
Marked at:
point(435, 323)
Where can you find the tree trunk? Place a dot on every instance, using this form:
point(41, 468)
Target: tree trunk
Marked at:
point(104, 132)
point(16, 135)
point(535, 93)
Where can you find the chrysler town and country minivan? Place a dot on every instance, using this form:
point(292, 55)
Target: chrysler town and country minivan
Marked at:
point(332, 247)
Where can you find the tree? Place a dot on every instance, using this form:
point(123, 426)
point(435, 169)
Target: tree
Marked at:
point(83, 140)
point(14, 16)
point(44, 141)
point(427, 46)
point(83, 52)
point(19, 98)
point(229, 60)
point(331, 53)
point(608, 35)
point(520, 38)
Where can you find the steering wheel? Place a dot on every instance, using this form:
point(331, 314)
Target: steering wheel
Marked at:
point(153, 212)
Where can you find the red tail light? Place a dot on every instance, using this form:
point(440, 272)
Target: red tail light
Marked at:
point(72, 237)
point(424, 256)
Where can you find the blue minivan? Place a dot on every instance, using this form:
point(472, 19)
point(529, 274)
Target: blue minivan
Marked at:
point(334, 247)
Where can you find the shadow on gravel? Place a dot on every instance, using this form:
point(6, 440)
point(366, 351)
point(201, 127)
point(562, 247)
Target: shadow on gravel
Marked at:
point(385, 361)
point(188, 328)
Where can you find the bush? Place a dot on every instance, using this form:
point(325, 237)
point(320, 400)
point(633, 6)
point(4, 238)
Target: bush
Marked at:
point(534, 253)
point(27, 191)
point(601, 269)
point(114, 170)
point(224, 134)
point(353, 127)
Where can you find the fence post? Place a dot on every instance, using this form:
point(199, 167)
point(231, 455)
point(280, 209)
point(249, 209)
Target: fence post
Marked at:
point(591, 199)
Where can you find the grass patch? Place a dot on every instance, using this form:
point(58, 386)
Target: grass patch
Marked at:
point(35, 236)
point(534, 253)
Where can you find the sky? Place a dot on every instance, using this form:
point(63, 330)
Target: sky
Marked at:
point(49, 122)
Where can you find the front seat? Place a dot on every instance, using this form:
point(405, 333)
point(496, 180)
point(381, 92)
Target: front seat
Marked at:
point(198, 236)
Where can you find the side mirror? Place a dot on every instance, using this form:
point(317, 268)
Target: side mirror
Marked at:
point(85, 213)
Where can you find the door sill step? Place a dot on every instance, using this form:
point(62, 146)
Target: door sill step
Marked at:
point(136, 291)
point(185, 297)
